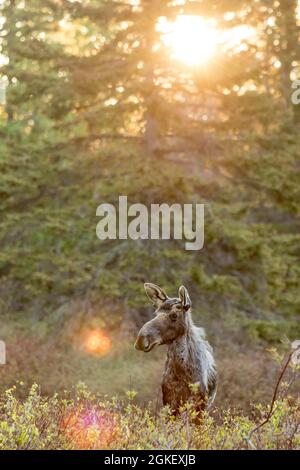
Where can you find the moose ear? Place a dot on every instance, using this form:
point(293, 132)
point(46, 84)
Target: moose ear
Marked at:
point(155, 293)
point(185, 298)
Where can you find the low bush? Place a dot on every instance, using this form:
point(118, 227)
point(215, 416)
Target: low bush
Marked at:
point(80, 420)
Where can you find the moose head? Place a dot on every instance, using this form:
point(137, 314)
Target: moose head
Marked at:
point(171, 318)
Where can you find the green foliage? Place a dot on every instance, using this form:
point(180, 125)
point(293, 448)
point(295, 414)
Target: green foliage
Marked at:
point(271, 331)
point(82, 420)
point(32, 424)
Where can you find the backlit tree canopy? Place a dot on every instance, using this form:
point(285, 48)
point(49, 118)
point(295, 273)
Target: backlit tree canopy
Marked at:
point(162, 101)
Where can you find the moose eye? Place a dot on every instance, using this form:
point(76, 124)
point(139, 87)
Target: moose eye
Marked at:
point(179, 307)
point(173, 316)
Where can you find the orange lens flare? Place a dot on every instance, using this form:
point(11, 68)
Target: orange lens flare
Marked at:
point(90, 428)
point(97, 342)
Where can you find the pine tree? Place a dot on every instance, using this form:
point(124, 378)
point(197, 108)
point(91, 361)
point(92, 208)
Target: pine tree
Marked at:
point(164, 104)
point(36, 86)
point(279, 48)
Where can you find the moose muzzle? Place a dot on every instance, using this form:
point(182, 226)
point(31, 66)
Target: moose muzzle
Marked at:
point(147, 338)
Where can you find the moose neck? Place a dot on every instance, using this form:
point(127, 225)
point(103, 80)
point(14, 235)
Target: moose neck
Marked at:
point(182, 348)
point(188, 359)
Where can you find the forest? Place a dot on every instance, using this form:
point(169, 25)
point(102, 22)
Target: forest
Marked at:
point(175, 102)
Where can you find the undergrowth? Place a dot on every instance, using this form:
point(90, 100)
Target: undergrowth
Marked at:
point(81, 420)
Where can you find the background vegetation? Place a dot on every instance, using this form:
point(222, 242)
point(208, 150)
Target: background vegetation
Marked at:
point(97, 108)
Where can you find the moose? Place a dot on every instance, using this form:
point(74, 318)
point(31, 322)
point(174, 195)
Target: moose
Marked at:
point(190, 371)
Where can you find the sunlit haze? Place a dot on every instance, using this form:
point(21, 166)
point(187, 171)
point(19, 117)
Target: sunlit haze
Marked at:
point(194, 40)
point(191, 39)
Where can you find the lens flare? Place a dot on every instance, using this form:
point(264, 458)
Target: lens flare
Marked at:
point(97, 342)
point(90, 428)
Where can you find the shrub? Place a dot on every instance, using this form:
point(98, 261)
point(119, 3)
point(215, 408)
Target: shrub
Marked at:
point(81, 420)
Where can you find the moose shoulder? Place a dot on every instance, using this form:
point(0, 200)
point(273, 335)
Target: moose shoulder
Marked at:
point(190, 372)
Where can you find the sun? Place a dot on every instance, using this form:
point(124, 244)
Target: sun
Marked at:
point(195, 41)
point(191, 39)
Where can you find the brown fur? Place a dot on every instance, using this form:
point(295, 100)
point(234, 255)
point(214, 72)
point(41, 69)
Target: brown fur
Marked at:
point(189, 358)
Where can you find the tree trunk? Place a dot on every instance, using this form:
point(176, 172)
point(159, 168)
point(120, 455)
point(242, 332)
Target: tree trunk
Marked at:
point(151, 134)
